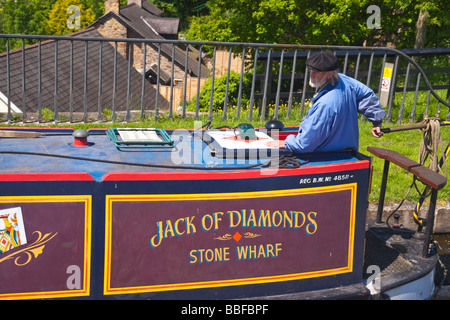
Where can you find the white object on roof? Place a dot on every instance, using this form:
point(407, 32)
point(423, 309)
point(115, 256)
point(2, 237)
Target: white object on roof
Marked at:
point(139, 135)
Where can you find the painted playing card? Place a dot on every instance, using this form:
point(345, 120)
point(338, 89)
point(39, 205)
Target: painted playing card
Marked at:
point(12, 230)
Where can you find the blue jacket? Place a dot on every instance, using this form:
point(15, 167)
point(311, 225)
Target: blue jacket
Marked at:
point(331, 123)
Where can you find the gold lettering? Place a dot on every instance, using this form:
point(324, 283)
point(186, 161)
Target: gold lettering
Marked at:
point(158, 236)
point(287, 218)
point(190, 228)
point(217, 218)
point(169, 229)
point(252, 219)
point(231, 218)
point(297, 213)
point(277, 249)
point(312, 224)
point(264, 219)
point(177, 231)
point(277, 213)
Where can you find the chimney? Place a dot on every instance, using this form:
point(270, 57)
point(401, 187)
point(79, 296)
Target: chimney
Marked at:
point(138, 2)
point(112, 5)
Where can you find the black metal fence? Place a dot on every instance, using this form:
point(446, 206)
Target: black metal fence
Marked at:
point(85, 78)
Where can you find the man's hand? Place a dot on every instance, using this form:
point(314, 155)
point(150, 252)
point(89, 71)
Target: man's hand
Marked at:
point(376, 131)
point(276, 144)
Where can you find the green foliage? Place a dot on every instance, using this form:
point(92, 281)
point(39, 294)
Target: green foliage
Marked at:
point(333, 22)
point(46, 114)
point(23, 17)
point(250, 21)
point(220, 85)
point(43, 17)
point(183, 9)
point(60, 15)
point(340, 22)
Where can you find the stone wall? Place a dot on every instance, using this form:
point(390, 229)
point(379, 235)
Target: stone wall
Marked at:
point(113, 29)
point(441, 221)
point(112, 5)
point(152, 58)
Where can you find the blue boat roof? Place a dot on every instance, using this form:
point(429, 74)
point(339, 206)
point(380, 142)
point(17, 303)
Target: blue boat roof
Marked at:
point(54, 153)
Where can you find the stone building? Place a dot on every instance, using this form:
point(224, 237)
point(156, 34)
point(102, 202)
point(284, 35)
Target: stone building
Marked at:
point(140, 19)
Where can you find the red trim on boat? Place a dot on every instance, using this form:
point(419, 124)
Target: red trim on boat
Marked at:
point(48, 176)
point(234, 174)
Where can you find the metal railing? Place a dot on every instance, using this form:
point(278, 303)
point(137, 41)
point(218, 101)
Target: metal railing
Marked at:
point(90, 77)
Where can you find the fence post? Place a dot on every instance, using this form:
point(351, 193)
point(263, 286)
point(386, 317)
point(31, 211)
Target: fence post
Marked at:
point(267, 84)
point(392, 90)
point(386, 83)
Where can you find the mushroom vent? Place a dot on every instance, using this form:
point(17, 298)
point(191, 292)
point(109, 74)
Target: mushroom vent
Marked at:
point(80, 138)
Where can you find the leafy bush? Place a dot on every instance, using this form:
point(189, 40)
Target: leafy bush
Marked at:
point(219, 92)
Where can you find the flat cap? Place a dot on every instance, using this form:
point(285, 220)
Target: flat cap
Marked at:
point(322, 61)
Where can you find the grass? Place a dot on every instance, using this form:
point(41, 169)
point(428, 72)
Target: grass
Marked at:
point(421, 105)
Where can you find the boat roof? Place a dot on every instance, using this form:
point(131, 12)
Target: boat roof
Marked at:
point(102, 159)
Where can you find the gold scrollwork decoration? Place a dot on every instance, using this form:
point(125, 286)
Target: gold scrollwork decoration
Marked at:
point(247, 235)
point(250, 235)
point(30, 250)
point(224, 237)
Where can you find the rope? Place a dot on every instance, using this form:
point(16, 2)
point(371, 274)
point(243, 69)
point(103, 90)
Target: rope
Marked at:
point(429, 146)
point(286, 161)
point(429, 149)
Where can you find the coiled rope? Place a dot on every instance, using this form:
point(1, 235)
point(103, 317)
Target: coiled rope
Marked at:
point(430, 145)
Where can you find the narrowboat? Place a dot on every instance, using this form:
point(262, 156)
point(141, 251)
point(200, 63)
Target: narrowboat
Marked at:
point(207, 213)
